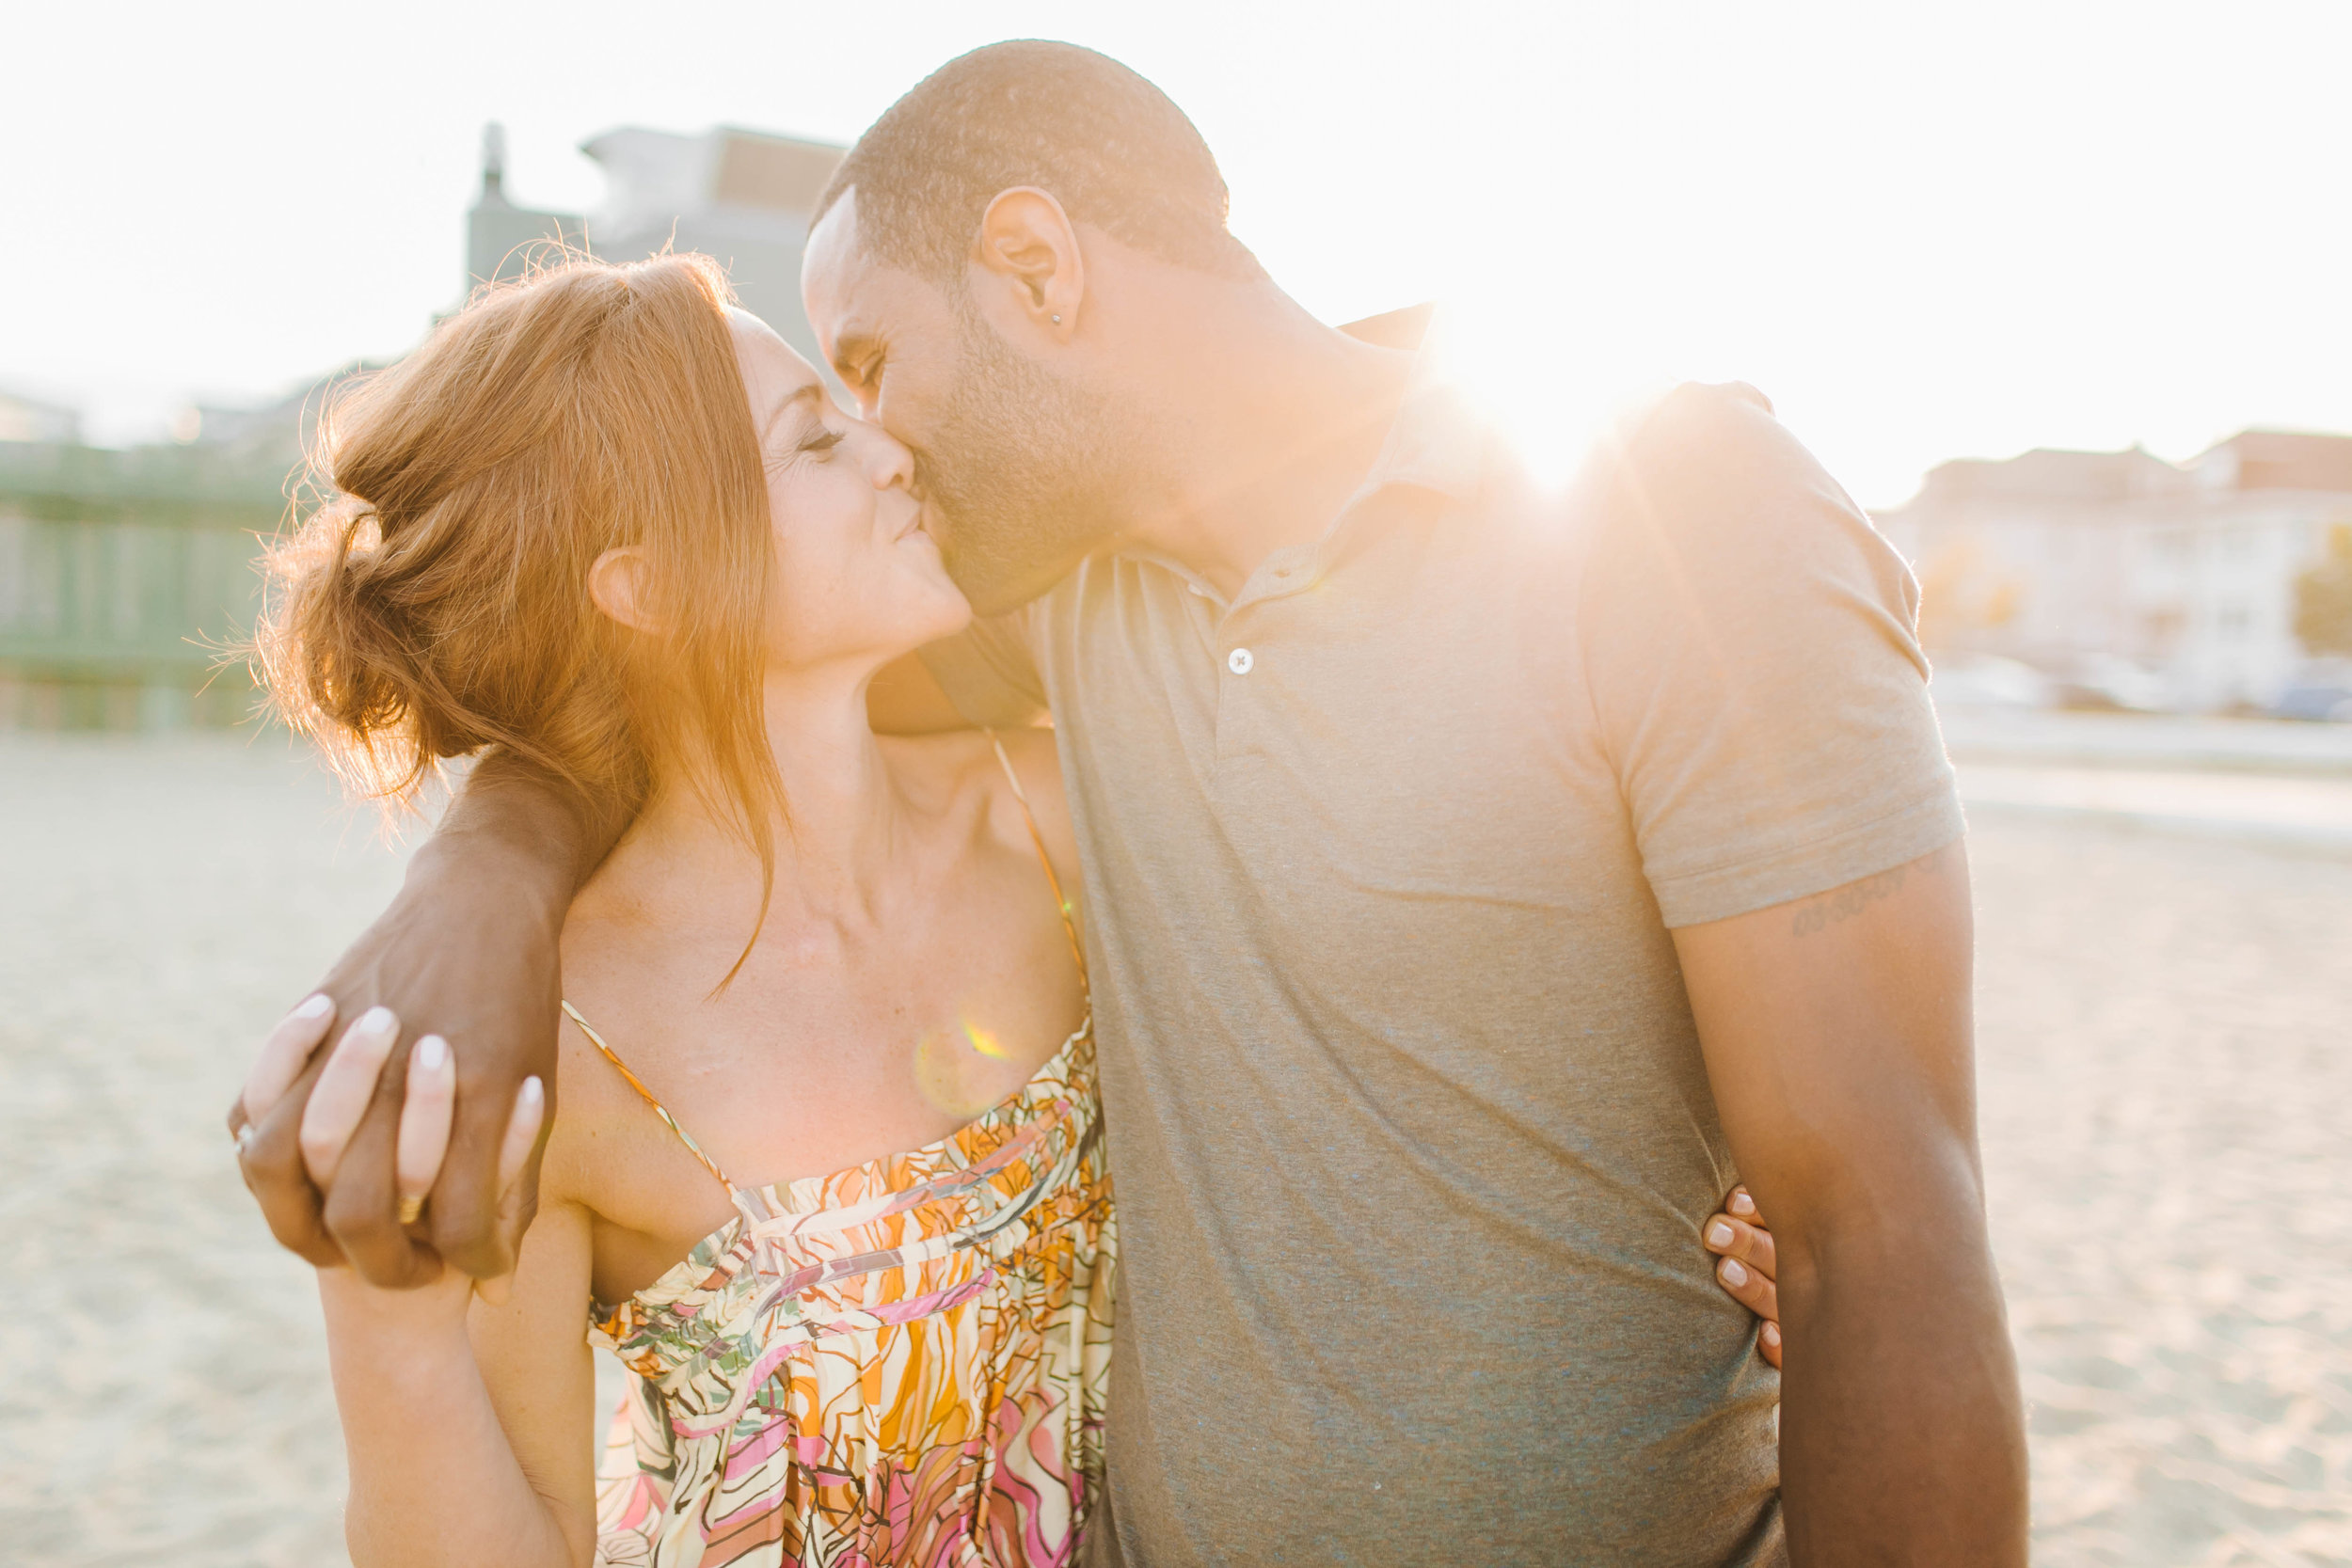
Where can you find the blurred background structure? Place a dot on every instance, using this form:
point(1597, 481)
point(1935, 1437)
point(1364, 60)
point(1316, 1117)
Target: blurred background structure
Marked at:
point(741, 195)
point(2116, 579)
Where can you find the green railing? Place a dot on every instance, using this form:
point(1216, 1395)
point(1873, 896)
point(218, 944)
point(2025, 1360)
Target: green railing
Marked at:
point(124, 576)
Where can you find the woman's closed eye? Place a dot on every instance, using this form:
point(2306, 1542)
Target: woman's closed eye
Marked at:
point(819, 442)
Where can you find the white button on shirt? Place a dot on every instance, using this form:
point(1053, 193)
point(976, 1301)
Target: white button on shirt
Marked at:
point(1239, 661)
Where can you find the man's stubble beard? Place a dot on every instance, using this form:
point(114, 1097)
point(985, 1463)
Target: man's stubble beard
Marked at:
point(1023, 468)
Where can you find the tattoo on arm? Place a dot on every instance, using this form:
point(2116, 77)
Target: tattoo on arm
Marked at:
point(1842, 904)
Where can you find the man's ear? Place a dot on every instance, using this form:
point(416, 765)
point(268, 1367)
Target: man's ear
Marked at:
point(1029, 243)
point(621, 583)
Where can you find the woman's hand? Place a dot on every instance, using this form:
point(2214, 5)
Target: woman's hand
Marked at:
point(468, 950)
point(433, 1426)
point(1746, 1273)
point(344, 1086)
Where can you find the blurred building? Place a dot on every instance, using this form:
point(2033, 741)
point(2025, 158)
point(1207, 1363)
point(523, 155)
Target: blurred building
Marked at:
point(502, 239)
point(125, 577)
point(2188, 571)
point(23, 419)
point(743, 196)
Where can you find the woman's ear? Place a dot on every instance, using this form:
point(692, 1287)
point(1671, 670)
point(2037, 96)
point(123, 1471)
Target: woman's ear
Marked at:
point(621, 583)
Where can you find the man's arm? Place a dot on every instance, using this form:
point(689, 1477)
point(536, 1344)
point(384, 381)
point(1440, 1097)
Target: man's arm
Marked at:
point(1837, 1037)
point(466, 951)
point(907, 699)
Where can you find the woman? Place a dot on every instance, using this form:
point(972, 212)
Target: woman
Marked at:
point(612, 525)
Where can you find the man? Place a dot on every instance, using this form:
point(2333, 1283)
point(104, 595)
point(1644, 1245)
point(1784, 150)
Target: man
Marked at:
point(1477, 878)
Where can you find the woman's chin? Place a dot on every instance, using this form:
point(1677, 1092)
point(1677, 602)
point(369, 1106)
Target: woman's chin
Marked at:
point(936, 608)
point(955, 611)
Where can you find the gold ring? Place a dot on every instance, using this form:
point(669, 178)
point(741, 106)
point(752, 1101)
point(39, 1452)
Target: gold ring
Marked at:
point(410, 1208)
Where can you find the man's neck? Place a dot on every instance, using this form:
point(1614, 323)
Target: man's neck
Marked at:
point(1283, 418)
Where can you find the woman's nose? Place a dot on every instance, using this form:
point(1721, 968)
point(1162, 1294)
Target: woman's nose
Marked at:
point(891, 463)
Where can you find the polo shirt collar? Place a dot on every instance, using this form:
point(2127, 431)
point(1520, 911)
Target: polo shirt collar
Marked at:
point(1436, 441)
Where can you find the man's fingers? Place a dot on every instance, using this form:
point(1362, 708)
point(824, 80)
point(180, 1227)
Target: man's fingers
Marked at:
point(485, 1197)
point(362, 1207)
point(1727, 1237)
point(424, 1120)
point(522, 1138)
point(271, 1162)
point(1768, 1342)
point(282, 1057)
point(343, 1089)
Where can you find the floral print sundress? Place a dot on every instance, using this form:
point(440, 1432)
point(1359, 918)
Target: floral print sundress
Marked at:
point(901, 1365)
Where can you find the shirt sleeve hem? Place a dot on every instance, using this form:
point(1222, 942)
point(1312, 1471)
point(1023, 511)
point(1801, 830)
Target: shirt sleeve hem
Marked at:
point(1721, 892)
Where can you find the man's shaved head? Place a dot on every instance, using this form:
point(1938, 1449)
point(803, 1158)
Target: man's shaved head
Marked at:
point(1103, 142)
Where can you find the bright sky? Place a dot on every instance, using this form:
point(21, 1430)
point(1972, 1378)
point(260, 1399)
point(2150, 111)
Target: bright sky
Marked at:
point(1926, 231)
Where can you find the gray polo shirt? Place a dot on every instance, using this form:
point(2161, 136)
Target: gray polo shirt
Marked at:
point(1409, 1127)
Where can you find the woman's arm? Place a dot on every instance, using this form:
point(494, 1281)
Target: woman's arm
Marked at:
point(470, 1429)
point(469, 1425)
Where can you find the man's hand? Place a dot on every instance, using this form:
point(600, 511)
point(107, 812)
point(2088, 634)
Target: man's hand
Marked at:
point(1837, 1037)
point(346, 1085)
point(466, 952)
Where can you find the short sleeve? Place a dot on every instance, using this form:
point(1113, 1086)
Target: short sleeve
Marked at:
point(1750, 649)
point(989, 671)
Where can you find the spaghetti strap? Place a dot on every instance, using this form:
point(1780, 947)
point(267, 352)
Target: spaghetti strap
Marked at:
point(1061, 900)
point(647, 1095)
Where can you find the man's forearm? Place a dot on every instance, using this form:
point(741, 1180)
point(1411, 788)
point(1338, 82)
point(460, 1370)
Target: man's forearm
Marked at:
point(1837, 1039)
point(1901, 1438)
point(510, 818)
point(468, 950)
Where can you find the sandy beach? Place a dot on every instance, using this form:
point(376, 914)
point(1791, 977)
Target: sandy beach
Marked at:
point(2165, 1020)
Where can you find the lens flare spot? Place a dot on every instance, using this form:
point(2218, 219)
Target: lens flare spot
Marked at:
point(953, 1070)
point(985, 1043)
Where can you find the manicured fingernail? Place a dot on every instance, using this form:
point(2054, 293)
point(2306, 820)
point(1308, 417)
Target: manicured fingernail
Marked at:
point(1734, 1275)
point(378, 1020)
point(1743, 1204)
point(1771, 1334)
point(432, 1054)
point(318, 1006)
point(533, 1091)
point(1719, 1234)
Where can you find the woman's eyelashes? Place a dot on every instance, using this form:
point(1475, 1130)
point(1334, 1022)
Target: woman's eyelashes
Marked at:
point(819, 441)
